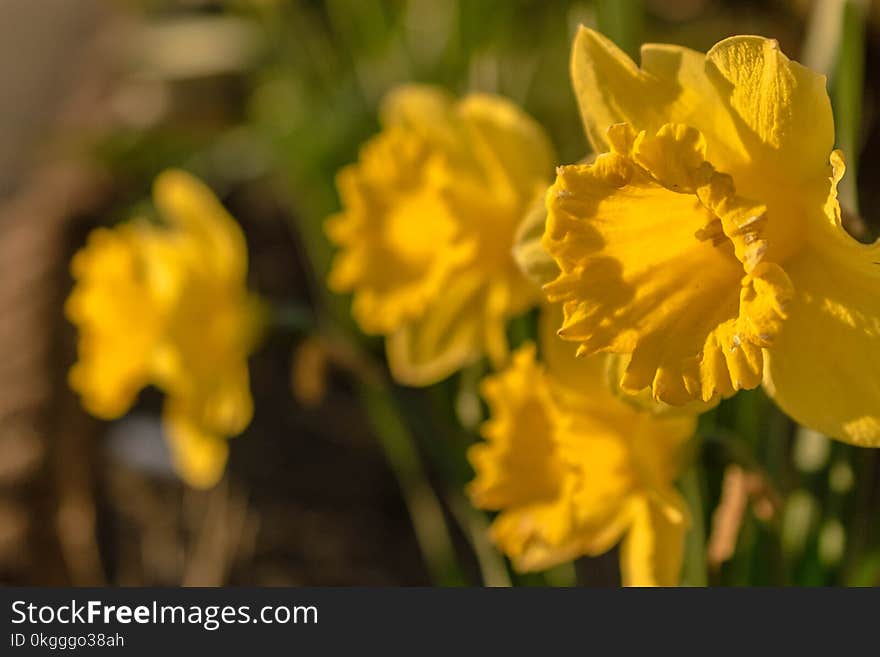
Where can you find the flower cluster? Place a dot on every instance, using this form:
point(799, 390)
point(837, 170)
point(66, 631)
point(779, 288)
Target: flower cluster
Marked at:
point(700, 252)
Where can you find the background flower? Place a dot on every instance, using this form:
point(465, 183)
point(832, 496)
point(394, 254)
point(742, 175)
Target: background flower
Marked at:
point(574, 469)
point(430, 212)
point(167, 306)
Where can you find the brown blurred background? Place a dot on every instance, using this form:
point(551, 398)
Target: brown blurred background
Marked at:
point(310, 501)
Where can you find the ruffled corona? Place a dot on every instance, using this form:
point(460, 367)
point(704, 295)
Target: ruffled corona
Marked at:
point(167, 306)
point(575, 470)
point(425, 235)
point(660, 258)
point(704, 243)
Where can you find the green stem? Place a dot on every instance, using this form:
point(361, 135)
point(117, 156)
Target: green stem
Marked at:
point(694, 570)
point(476, 526)
point(424, 507)
point(377, 399)
point(847, 92)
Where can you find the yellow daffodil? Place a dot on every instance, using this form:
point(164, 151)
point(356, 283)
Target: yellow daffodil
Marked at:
point(166, 305)
point(574, 468)
point(705, 240)
point(426, 231)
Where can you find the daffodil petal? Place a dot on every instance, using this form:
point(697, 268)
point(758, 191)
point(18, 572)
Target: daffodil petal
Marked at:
point(191, 207)
point(658, 452)
point(696, 102)
point(426, 111)
point(198, 455)
point(653, 549)
point(224, 404)
point(522, 535)
point(445, 338)
point(610, 88)
point(782, 108)
point(118, 318)
point(543, 535)
point(822, 369)
point(597, 444)
point(594, 381)
point(500, 133)
point(531, 257)
point(586, 377)
point(670, 87)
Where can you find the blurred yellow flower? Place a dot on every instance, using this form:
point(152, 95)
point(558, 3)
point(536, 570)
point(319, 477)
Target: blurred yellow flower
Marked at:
point(574, 468)
point(166, 305)
point(426, 231)
point(706, 240)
